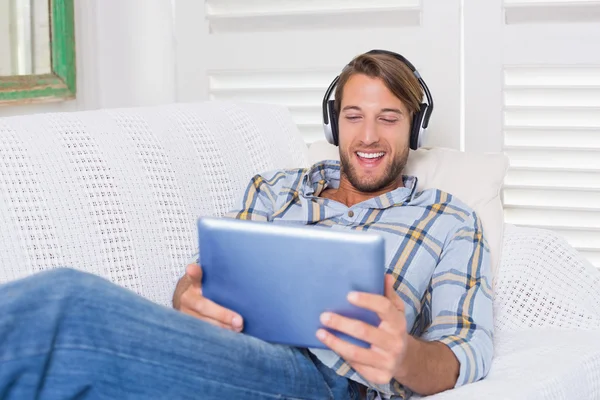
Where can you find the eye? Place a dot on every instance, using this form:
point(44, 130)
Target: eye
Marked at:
point(352, 117)
point(389, 120)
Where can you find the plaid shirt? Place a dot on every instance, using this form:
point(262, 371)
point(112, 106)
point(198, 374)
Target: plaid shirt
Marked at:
point(434, 248)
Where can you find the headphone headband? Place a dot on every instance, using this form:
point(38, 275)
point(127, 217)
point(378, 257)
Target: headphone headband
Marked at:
point(420, 121)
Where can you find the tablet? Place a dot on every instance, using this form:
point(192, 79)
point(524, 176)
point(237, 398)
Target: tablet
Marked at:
point(280, 277)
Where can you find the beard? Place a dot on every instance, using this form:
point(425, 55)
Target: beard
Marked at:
point(370, 184)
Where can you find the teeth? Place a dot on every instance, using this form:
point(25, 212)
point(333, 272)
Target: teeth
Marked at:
point(369, 155)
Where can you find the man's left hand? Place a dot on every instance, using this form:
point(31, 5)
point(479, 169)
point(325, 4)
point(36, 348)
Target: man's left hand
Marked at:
point(383, 360)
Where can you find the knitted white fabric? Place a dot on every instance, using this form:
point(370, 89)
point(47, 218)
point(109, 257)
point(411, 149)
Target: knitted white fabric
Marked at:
point(544, 283)
point(117, 193)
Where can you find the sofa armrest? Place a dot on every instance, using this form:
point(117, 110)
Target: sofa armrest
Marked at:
point(544, 282)
point(538, 364)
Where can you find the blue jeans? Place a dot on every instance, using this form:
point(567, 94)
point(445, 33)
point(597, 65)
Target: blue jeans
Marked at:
point(66, 334)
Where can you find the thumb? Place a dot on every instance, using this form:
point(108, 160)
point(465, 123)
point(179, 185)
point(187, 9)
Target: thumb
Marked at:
point(194, 273)
point(391, 294)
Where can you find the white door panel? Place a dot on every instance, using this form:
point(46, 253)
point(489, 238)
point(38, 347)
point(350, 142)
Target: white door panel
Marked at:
point(287, 52)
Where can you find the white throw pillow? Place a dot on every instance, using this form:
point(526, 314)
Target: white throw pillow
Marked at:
point(474, 178)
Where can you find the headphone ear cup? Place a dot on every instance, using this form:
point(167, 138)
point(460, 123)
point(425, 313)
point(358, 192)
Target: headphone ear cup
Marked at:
point(333, 123)
point(416, 128)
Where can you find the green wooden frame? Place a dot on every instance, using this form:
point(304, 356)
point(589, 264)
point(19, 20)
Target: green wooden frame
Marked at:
point(59, 85)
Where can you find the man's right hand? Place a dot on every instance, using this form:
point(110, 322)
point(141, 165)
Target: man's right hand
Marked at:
point(189, 300)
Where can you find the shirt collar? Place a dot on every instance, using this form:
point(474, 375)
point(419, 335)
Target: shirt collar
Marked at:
point(327, 173)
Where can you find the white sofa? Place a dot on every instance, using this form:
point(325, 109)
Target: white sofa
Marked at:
point(117, 193)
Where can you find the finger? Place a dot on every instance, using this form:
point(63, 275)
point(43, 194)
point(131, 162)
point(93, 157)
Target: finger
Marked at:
point(389, 285)
point(391, 294)
point(194, 272)
point(211, 310)
point(348, 351)
point(357, 329)
point(194, 314)
point(382, 306)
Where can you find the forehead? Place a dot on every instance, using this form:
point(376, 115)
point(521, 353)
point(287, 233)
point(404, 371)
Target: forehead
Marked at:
point(361, 90)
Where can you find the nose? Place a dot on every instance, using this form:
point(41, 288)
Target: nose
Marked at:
point(368, 134)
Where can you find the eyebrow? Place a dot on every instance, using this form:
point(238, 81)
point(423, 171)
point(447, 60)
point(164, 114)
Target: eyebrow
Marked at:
point(394, 110)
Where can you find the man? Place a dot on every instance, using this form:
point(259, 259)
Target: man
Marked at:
point(73, 335)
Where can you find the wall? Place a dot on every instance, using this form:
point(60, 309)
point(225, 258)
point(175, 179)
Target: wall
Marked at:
point(191, 42)
point(125, 56)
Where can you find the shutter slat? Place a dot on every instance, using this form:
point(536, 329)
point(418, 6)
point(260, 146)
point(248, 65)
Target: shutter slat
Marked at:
point(551, 137)
point(566, 199)
point(552, 178)
point(559, 77)
point(559, 97)
point(269, 7)
point(539, 216)
point(269, 15)
point(567, 159)
point(555, 117)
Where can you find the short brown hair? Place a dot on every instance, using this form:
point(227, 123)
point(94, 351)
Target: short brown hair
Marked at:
point(396, 76)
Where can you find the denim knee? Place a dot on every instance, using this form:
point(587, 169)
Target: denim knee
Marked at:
point(51, 292)
point(65, 274)
point(67, 280)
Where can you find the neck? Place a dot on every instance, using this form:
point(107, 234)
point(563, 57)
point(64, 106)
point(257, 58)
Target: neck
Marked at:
point(347, 194)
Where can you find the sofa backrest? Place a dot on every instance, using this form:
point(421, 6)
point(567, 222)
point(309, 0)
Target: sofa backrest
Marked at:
point(118, 192)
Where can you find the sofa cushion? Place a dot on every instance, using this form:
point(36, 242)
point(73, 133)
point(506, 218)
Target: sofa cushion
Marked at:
point(474, 178)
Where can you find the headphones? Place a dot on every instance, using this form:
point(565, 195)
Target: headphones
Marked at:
point(420, 119)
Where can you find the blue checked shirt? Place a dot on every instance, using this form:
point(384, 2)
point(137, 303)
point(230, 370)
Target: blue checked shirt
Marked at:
point(434, 248)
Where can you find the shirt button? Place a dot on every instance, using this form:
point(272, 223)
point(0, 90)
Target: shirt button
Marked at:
point(351, 213)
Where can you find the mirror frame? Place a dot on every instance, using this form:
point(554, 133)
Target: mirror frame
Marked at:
point(59, 85)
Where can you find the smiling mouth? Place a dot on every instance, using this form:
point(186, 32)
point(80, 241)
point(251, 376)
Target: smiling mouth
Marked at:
point(370, 156)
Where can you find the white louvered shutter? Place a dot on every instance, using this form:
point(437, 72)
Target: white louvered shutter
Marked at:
point(533, 90)
point(288, 52)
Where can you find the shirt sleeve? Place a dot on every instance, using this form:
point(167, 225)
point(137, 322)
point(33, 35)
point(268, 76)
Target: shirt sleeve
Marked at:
point(258, 200)
point(461, 302)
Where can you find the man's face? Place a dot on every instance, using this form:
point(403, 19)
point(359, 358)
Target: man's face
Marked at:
point(374, 129)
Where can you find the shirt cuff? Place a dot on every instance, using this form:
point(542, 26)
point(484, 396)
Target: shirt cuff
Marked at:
point(465, 356)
